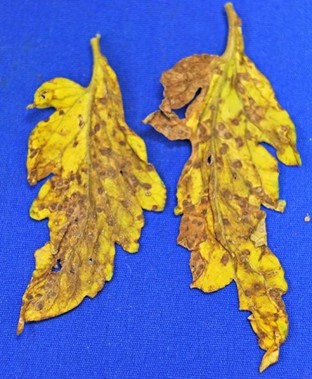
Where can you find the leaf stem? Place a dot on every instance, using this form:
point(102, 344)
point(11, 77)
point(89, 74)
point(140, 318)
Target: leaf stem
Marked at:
point(234, 22)
point(96, 50)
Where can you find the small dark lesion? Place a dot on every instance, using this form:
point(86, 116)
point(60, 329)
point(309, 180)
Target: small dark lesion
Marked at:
point(257, 286)
point(225, 258)
point(81, 121)
point(43, 95)
point(58, 266)
point(97, 127)
point(39, 306)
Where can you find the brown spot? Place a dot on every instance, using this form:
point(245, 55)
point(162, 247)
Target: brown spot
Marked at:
point(154, 207)
point(227, 194)
point(220, 126)
point(237, 164)
point(70, 211)
point(248, 293)
point(197, 164)
point(39, 306)
point(102, 100)
point(122, 143)
point(146, 186)
point(133, 180)
point(97, 127)
point(75, 143)
point(245, 253)
point(52, 207)
point(243, 203)
point(219, 161)
point(259, 215)
point(81, 121)
point(140, 217)
point(225, 221)
point(251, 230)
point(105, 150)
point(257, 286)
point(254, 113)
point(228, 135)
point(125, 203)
point(185, 203)
point(235, 121)
point(261, 335)
point(239, 142)
point(59, 183)
point(225, 258)
point(275, 293)
point(61, 112)
point(248, 134)
point(224, 148)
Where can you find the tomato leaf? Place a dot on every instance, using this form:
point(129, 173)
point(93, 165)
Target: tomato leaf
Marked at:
point(101, 182)
point(228, 177)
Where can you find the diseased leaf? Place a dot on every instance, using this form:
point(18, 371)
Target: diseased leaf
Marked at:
point(229, 176)
point(101, 182)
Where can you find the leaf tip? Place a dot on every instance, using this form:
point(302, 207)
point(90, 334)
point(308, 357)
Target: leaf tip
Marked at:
point(146, 119)
point(95, 44)
point(229, 6)
point(281, 205)
point(269, 358)
point(229, 9)
point(20, 326)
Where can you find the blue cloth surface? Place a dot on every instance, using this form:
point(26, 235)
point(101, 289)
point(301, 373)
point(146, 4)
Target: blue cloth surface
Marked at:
point(147, 322)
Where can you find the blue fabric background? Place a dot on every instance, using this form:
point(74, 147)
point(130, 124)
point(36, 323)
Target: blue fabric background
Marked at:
point(147, 323)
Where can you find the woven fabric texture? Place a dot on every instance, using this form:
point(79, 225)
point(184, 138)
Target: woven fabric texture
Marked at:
point(147, 322)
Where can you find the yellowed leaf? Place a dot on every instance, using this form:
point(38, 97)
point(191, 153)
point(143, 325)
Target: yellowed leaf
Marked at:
point(229, 176)
point(101, 182)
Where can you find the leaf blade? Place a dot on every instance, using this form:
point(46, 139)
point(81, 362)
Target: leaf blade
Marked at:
point(229, 176)
point(101, 183)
